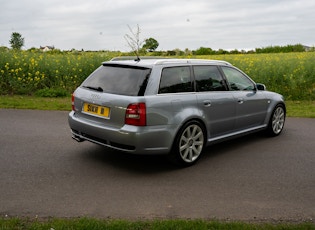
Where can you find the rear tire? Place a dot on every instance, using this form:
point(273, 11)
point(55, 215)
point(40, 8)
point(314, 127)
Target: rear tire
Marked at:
point(277, 120)
point(189, 144)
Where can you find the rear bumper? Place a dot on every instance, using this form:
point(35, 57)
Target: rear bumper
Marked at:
point(132, 139)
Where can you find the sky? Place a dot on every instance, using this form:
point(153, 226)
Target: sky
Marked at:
point(175, 24)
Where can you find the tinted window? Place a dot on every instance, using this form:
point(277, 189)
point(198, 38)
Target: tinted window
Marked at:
point(123, 80)
point(208, 78)
point(237, 80)
point(175, 80)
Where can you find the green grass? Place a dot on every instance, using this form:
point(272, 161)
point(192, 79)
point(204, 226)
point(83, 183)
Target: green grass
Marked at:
point(301, 109)
point(294, 108)
point(32, 102)
point(91, 224)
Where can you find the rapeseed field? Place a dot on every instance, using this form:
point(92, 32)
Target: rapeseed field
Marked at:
point(28, 72)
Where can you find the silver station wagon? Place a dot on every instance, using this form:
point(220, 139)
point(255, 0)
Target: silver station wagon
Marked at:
point(171, 106)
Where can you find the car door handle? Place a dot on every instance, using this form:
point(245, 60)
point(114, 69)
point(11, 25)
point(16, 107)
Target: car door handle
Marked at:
point(240, 101)
point(207, 103)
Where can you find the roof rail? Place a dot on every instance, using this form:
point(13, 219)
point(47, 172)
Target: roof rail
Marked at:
point(192, 61)
point(165, 60)
point(130, 58)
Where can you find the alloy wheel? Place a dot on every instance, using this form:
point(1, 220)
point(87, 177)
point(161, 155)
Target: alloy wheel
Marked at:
point(191, 143)
point(278, 120)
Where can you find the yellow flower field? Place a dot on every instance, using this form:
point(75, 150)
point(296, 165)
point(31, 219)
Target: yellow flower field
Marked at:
point(26, 72)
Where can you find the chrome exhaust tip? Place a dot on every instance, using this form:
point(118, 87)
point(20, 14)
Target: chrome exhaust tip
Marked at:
point(77, 138)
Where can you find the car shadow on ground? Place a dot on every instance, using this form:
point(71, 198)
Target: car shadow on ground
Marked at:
point(160, 163)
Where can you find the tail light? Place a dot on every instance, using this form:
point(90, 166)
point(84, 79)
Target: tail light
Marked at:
point(136, 114)
point(72, 102)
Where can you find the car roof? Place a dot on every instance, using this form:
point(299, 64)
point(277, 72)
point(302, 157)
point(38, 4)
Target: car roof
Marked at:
point(151, 61)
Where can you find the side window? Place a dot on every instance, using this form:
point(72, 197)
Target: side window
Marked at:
point(175, 80)
point(208, 78)
point(237, 80)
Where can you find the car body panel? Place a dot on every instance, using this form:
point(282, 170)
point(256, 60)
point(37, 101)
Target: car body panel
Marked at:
point(251, 108)
point(218, 112)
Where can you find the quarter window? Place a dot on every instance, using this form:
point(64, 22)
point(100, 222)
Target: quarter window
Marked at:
point(237, 80)
point(175, 80)
point(208, 78)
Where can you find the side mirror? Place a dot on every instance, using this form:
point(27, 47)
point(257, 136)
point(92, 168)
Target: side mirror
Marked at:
point(260, 86)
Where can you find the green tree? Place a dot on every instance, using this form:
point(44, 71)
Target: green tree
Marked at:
point(204, 51)
point(16, 41)
point(150, 44)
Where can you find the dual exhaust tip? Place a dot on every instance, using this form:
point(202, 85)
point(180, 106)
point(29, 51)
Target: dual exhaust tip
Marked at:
point(77, 138)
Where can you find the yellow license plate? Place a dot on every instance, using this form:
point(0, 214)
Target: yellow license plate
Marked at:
point(96, 110)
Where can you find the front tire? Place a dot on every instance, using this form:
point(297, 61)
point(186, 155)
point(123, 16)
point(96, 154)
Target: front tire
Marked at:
point(277, 121)
point(189, 144)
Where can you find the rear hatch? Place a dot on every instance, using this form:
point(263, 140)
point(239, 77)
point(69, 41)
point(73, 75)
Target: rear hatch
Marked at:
point(105, 95)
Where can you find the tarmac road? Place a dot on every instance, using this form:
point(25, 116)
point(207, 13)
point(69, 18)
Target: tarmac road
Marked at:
point(44, 173)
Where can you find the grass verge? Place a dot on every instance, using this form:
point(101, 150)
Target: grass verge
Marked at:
point(88, 223)
point(294, 108)
point(301, 109)
point(32, 102)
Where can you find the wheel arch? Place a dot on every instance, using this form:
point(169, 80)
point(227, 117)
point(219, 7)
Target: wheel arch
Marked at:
point(175, 155)
point(272, 108)
point(269, 129)
point(184, 123)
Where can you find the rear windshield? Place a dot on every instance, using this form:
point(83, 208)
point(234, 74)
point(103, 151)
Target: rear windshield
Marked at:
point(118, 79)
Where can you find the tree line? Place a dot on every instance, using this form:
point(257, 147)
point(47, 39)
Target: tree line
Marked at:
point(268, 49)
point(150, 45)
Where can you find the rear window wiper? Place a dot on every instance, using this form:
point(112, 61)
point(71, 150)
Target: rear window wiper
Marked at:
point(100, 89)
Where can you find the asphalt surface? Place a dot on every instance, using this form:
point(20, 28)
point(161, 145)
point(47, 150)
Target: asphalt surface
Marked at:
point(44, 173)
